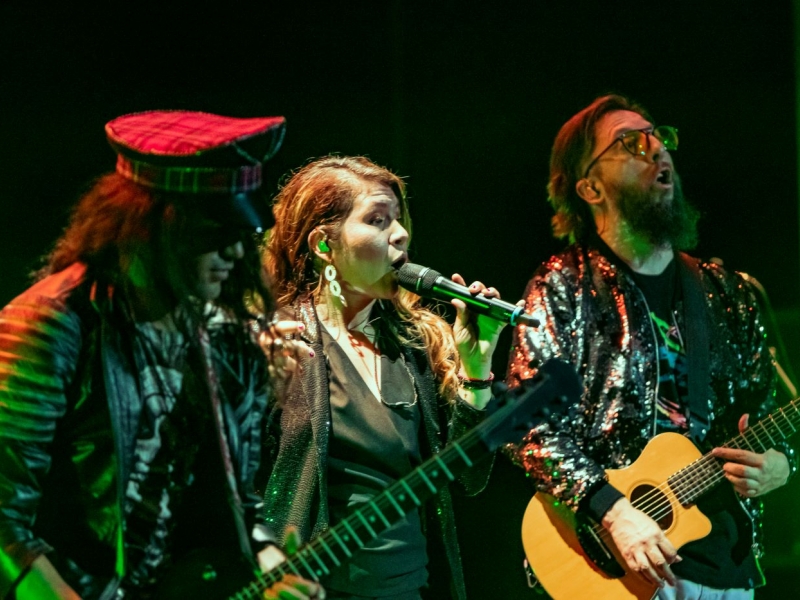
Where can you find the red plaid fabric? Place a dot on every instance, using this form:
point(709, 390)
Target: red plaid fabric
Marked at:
point(189, 179)
point(166, 150)
point(182, 133)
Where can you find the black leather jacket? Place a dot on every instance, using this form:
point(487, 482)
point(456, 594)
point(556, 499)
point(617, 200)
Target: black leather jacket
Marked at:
point(299, 437)
point(69, 410)
point(595, 317)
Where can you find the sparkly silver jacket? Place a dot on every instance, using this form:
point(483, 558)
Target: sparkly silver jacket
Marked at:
point(593, 315)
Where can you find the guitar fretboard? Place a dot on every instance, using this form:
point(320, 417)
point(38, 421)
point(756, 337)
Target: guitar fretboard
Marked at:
point(334, 547)
point(550, 392)
point(692, 481)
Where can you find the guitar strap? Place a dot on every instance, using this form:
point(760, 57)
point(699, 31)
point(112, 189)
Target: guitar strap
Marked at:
point(234, 500)
point(697, 328)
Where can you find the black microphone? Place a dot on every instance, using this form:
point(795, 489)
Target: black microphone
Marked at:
point(431, 284)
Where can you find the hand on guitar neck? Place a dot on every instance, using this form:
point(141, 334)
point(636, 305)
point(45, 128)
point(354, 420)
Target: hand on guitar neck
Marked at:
point(641, 542)
point(658, 513)
point(753, 474)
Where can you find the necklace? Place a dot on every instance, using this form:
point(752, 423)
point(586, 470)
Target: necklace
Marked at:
point(368, 330)
point(358, 347)
point(372, 334)
point(376, 357)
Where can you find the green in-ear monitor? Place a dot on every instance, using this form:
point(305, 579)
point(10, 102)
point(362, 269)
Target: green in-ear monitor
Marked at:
point(323, 246)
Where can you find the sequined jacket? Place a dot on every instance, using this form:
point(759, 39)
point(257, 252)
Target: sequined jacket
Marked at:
point(593, 315)
point(299, 434)
point(69, 412)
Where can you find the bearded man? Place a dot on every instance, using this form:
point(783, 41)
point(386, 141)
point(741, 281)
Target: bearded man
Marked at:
point(664, 343)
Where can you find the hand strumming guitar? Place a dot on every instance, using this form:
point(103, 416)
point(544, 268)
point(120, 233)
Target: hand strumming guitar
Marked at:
point(290, 587)
point(641, 542)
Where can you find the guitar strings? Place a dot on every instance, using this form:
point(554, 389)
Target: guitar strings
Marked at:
point(692, 472)
point(263, 580)
point(657, 499)
point(660, 496)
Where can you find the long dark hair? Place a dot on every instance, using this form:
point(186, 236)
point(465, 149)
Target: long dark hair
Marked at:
point(123, 231)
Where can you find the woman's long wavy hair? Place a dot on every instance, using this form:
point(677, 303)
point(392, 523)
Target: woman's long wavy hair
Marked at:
point(124, 232)
point(321, 195)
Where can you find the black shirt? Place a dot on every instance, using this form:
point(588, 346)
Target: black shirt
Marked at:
point(708, 561)
point(373, 445)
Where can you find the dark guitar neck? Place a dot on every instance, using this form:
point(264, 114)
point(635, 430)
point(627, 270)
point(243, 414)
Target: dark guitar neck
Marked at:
point(334, 547)
point(551, 392)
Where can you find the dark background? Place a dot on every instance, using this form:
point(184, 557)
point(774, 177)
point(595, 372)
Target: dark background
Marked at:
point(462, 98)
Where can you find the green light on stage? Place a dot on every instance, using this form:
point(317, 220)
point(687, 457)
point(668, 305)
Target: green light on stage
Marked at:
point(209, 573)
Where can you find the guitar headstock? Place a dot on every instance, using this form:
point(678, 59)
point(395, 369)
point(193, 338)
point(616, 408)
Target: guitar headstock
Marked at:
point(550, 393)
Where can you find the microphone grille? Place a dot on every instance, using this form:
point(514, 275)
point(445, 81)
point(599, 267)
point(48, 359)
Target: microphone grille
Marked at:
point(416, 277)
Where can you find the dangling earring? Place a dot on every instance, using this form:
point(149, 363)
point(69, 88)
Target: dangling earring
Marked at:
point(333, 285)
point(330, 273)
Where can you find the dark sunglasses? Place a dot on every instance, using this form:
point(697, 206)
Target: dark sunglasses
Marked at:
point(637, 142)
point(211, 237)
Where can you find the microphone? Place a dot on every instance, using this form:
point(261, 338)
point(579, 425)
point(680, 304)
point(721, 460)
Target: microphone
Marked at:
point(431, 284)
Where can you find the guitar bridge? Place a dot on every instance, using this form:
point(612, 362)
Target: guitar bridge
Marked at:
point(597, 551)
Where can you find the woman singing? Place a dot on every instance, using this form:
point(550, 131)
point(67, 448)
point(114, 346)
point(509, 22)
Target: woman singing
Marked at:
point(390, 383)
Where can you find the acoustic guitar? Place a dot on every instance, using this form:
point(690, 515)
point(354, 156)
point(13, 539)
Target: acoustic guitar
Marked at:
point(574, 557)
point(517, 411)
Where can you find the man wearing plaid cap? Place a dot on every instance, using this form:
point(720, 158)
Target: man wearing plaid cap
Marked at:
point(132, 386)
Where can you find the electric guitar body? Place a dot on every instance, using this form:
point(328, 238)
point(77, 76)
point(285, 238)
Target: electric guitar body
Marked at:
point(569, 556)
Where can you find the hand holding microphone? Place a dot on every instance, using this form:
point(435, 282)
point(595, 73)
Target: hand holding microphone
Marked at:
point(475, 338)
point(432, 284)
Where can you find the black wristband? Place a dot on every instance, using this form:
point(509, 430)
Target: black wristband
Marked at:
point(476, 384)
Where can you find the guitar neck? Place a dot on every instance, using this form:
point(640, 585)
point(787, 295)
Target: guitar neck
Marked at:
point(555, 387)
point(334, 547)
point(693, 481)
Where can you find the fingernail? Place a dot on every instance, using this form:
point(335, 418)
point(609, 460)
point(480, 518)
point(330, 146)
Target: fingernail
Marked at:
point(311, 353)
point(678, 558)
point(301, 327)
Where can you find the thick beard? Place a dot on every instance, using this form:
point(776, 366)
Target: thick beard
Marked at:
point(661, 223)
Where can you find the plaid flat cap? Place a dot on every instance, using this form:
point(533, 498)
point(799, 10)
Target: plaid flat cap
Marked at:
point(194, 152)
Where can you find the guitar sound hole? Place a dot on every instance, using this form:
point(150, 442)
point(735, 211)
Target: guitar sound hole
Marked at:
point(655, 503)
